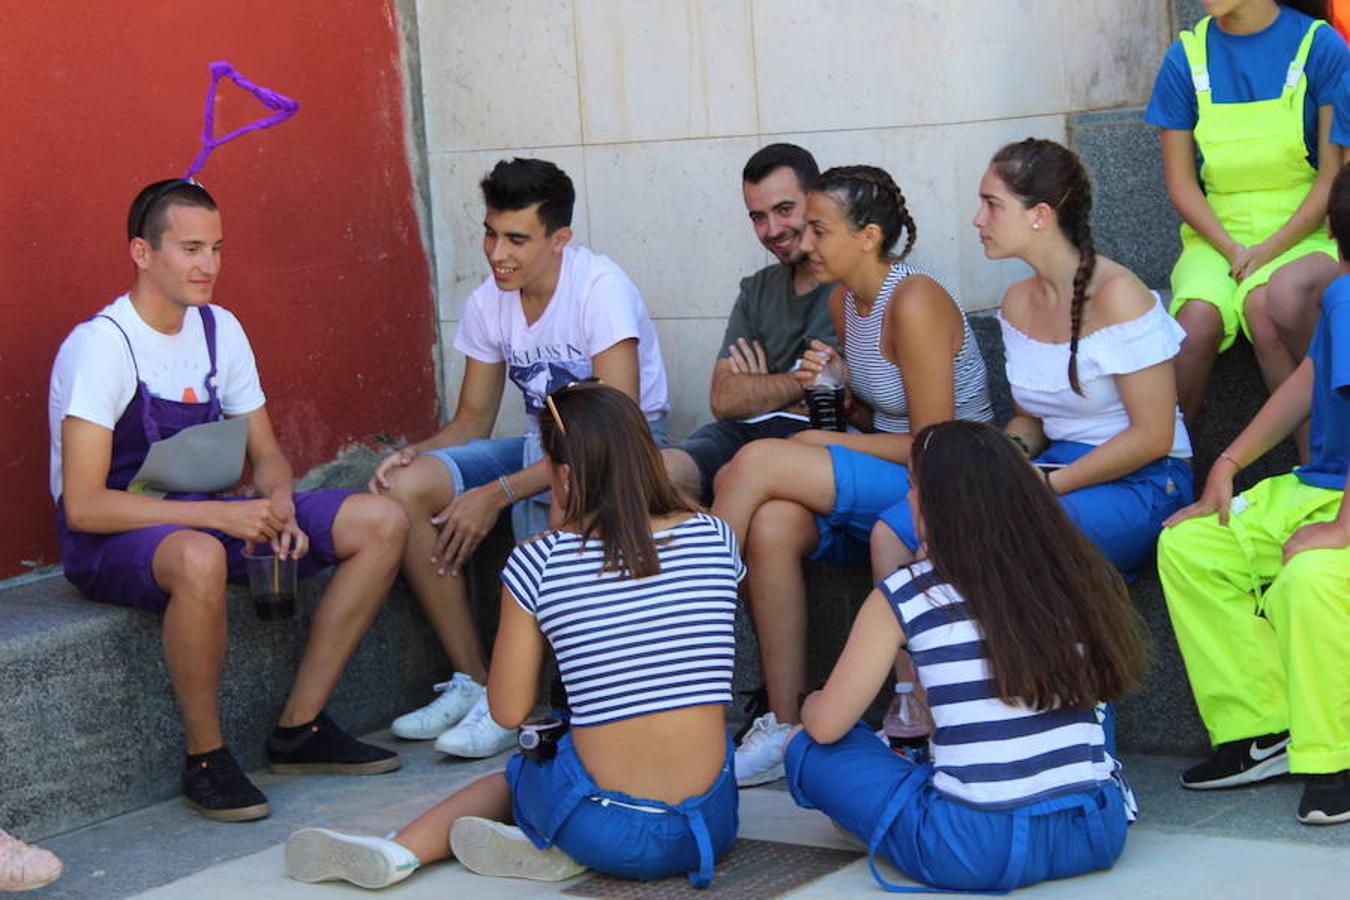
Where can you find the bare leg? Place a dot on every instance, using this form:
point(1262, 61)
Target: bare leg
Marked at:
point(1204, 333)
point(368, 535)
point(423, 489)
point(428, 835)
point(683, 471)
point(781, 534)
point(888, 551)
point(190, 565)
point(1272, 354)
point(771, 469)
point(1294, 301)
point(888, 554)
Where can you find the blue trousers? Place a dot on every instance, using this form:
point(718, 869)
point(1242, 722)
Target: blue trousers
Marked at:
point(889, 803)
point(1122, 518)
point(557, 802)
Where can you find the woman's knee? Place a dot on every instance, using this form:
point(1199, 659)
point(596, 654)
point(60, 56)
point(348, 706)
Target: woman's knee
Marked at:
point(781, 527)
point(1202, 323)
point(749, 466)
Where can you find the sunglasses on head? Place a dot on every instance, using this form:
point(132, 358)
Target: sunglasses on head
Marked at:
point(553, 407)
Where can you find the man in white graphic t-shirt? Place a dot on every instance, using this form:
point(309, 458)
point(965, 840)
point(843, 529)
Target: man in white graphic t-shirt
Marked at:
point(548, 315)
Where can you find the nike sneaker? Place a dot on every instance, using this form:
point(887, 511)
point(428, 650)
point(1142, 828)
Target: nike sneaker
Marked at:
point(1240, 762)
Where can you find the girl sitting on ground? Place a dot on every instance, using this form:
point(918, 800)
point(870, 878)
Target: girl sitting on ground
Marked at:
point(911, 360)
point(636, 594)
point(1018, 629)
point(1089, 357)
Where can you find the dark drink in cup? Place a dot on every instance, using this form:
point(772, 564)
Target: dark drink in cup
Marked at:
point(274, 607)
point(271, 581)
point(826, 406)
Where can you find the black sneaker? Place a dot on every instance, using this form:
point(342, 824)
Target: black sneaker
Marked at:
point(1240, 762)
point(215, 786)
point(321, 746)
point(1326, 799)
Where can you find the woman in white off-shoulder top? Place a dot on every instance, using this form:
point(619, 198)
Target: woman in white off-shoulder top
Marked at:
point(1089, 357)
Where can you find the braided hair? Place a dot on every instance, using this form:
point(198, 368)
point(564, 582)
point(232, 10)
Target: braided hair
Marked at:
point(870, 196)
point(1041, 171)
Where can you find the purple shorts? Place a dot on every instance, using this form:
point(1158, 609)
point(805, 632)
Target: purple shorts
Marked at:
point(119, 568)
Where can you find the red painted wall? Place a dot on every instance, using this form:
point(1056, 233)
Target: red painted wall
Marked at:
point(324, 262)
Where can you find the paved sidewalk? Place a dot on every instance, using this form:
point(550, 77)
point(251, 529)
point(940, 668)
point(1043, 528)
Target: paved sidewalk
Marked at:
point(1232, 844)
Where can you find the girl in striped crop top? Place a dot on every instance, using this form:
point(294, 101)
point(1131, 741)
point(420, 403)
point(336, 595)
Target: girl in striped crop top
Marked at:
point(636, 594)
point(912, 361)
point(1018, 629)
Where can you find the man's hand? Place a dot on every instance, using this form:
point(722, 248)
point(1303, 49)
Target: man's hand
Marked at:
point(379, 482)
point(747, 359)
point(1317, 536)
point(463, 525)
point(253, 521)
point(290, 542)
point(1216, 497)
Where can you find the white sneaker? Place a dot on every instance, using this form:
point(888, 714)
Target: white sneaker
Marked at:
point(498, 850)
point(457, 697)
point(317, 854)
point(477, 736)
point(759, 758)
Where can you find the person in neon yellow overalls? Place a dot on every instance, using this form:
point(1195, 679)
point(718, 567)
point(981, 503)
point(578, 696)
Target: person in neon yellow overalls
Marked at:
point(1252, 88)
point(1258, 585)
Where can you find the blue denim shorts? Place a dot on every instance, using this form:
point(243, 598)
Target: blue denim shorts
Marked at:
point(866, 488)
point(555, 802)
point(482, 461)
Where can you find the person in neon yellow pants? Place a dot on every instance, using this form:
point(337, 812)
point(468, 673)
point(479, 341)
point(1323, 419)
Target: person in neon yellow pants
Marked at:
point(1251, 87)
point(1258, 585)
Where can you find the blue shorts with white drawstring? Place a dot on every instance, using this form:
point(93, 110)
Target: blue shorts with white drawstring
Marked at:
point(556, 803)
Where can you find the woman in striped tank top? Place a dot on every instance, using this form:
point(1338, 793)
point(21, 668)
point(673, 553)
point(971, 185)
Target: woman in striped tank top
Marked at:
point(1018, 629)
point(635, 592)
point(911, 360)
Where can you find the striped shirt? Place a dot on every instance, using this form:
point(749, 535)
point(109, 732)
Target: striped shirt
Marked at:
point(987, 753)
point(633, 646)
point(876, 380)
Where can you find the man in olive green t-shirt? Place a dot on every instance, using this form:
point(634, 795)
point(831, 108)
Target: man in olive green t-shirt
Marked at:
point(780, 310)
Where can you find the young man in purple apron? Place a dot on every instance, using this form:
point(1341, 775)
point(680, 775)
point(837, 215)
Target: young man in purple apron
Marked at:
point(154, 362)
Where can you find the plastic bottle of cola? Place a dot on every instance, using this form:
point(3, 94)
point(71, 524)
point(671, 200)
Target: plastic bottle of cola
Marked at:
point(825, 398)
point(907, 724)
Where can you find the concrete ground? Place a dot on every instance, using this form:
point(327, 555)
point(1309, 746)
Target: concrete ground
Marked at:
point(1233, 844)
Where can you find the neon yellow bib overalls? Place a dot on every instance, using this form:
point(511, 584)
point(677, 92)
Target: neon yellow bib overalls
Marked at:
point(1255, 175)
point(1266, 643)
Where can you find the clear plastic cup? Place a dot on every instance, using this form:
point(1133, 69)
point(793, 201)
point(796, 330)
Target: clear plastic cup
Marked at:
point(271, 580)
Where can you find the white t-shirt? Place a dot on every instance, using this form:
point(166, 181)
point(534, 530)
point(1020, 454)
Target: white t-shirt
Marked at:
point(594, 306)
point(94, 376)
point(1038, 374)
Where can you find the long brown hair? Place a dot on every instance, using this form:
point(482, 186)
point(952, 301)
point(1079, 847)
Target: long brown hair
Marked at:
point(617, 482)
point(1059, 626)
point(1041, 171)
